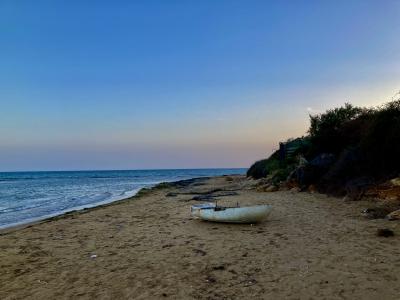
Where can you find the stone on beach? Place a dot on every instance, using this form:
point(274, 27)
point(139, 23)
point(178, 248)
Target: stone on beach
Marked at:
point(394, 215)
point(385, 232)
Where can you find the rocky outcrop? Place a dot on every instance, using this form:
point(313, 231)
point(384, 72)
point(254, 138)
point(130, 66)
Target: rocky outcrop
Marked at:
point(355, 188)
point(307, 173)
point(267, 188)
point(339, 174)
point(213, 195)
point(394, 215)
point(395, 181)
point(375, 213)
point(389, 190)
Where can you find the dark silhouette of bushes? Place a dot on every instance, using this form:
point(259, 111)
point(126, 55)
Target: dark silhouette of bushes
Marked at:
point(264, 167)
point(375, 133)
point(258, 169)
point(381, 143)
point(365, 145)
point(326, 130)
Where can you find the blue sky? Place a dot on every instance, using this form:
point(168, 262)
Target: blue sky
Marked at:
point(180, 84)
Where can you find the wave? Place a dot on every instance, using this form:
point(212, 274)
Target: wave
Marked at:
point(37, 195)
point(49, 214)
point(31, 205)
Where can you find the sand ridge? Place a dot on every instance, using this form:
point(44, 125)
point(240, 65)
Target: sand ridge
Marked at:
point(149, 247)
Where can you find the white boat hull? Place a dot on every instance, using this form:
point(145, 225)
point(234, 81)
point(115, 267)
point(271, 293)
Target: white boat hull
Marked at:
point(249, 214)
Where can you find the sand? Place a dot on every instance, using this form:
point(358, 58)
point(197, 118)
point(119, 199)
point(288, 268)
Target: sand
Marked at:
point(312, 247)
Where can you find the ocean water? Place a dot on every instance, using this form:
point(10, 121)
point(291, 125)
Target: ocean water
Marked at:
point(31, 196)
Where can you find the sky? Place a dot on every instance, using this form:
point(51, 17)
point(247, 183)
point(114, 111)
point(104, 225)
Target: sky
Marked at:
point(182, 84)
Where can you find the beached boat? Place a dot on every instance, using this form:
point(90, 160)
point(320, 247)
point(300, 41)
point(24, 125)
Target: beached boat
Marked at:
point(215, 213)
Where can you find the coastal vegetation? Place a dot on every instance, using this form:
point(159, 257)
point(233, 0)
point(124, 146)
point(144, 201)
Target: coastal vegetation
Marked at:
point(347, 150)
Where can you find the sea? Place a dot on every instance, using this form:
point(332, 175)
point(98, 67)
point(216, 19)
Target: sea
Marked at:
point(31, 196)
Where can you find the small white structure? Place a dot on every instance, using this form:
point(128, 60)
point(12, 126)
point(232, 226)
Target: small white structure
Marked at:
point(249, 214)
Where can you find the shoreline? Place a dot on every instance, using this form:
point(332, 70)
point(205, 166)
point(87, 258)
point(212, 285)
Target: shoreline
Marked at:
point(312, 246)
point(61, 215)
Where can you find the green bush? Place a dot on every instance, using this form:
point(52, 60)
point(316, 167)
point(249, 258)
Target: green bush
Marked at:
point(258, 169)
point(325, 129)
point(264, 167)
point(381, 143)
point(372, 134)
point(281, 174)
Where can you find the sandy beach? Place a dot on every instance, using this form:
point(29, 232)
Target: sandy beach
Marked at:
point(149, 247)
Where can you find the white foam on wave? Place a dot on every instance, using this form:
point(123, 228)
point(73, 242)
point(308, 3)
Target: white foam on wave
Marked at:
point(40, 197)
point(111, 199)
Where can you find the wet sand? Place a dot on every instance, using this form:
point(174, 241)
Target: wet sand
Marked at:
point(148, 247)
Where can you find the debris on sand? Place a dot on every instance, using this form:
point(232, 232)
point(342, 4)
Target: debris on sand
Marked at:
point(219, 268)
point(385, 232)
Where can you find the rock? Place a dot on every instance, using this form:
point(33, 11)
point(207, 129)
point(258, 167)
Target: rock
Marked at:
point(208, 192)
point(271, 188)
point(309, 174)
point(386, 191)
point(389, 204)
point(375, 213)
point(385, 232)
point(394, 215)
point(312, 189)
point(290, 183)
point(211, 195)
point(171, 194)
point(395, 181)
point(283, 186)
point(224, 194)
point(355, 188)
point(260, 189)
point(334, 179)
point(267, 188)
point(249, 184)
point(204, 198)
point(188, 182)
point(295, 190)
point(263, 181)
point(353, 197)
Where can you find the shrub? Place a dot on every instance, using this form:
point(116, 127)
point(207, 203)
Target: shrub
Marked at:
point(364, 142)
point(258, 169)
point(381, 144)
point(325, 129)
point(281, 174)
point(264, 167)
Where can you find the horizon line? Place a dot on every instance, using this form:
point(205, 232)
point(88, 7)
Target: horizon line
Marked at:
point(119, 170)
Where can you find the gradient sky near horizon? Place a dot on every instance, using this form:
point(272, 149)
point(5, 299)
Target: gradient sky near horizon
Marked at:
point(182, 84)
